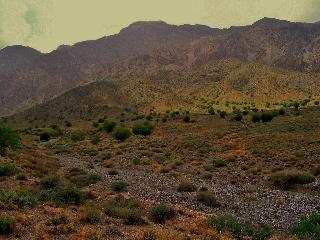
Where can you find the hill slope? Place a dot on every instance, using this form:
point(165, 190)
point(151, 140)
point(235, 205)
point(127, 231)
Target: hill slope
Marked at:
point(293, 46)
point(69, 66)
point(141, 84)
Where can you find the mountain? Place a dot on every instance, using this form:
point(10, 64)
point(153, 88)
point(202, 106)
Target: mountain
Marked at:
point(16, 56)
point(160, 82)
point(69, 66)
point(277, 43)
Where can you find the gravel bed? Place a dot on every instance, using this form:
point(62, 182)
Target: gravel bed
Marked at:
point(163, 188)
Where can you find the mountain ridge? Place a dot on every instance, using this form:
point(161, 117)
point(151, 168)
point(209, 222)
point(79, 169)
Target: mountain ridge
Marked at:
point(293, 46)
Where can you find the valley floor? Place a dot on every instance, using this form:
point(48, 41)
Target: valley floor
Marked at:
point(232, 163)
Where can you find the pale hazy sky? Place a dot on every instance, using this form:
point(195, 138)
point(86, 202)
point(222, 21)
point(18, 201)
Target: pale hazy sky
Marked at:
point(46, 24)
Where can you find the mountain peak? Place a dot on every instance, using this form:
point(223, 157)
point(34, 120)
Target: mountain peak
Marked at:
point(17, 49)
point(266, 21)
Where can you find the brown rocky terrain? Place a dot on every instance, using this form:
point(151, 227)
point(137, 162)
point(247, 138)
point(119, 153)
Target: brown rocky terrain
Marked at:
point(68, 66)
point(158, 82)
point(293, 46)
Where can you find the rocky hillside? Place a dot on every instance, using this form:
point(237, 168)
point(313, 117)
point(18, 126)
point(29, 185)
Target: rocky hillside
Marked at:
point(292, 46)
point(157, 82)
point(15, 57)
point(68, 66)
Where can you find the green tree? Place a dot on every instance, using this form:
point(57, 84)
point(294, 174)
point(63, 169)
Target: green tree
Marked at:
point(9, 139)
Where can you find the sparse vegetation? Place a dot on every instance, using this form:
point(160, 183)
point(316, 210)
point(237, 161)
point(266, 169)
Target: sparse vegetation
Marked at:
point(109, 126)
point(119, 186)
point(81, 178)
point(67, 195)
point(144, 130)
point(122, 134)
point(186, 186)
point(95, 140)
point(7, 169)
point(267, 117)
point(92, 216)
point(239, 230)
point(256, 118)
point(211, 111)
point(208, 199)
point(186, 118)
point(223, 114)
point(50, 182)
point(9, 139)
point(127, 209)
point(77, 136)
point(308, 228)
point(44, 137)
point(7, 224)
point(287, 180)
point(218, 163)
point(22, 199)
point(161, 212)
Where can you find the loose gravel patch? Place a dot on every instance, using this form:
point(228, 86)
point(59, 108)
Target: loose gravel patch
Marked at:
point(280, 209)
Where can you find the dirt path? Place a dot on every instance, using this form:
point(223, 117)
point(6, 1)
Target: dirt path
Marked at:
point(277, 208)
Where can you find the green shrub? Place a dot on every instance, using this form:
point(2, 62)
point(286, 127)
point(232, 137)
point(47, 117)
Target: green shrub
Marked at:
point(186, 118)
point(282, 112)
point(126, 209)
point(19, 198)
point(7, 169)
point(119, 186)
point(109, 126)
point(9, 139)
point(136, 161)
point(22, 177)
point(255, 118)
point(245, 112)
point(161, 212)
point(7, 224)
point(55, 131)
point(113, 172)
point(266, 117)
point(238, 117)
point(218, 163)
point(60, 148)
point(275, 113)
point(223, 114)
point(287, 180)
point(67, 124)
point(239, 230)
point(211, 111)
point(81, 178)
point(49, 182)
point(308, 228)
point(149, 117)
point(95, 124)
point(67, 195)
point(92, 216)
point(77, 136)
point(122, 134)
point(144, 130)
point(44, 137)
point(208, 199)
point(186, 186)
point(95, 140)
point(91, 152)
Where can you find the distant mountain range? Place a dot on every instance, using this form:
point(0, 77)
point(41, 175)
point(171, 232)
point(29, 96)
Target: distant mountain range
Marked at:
point(161, 51)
